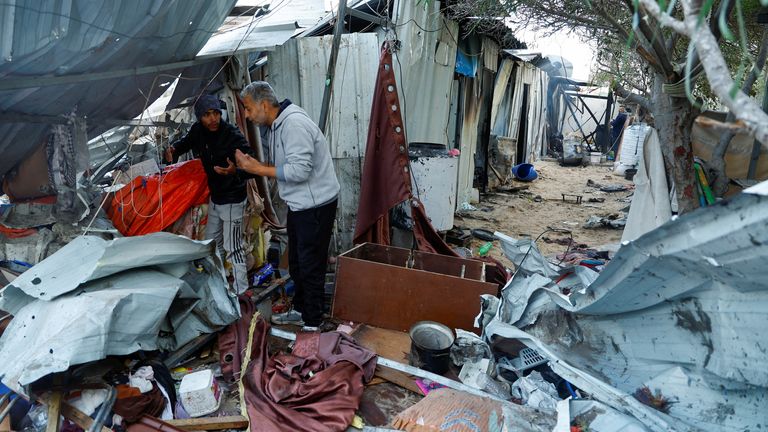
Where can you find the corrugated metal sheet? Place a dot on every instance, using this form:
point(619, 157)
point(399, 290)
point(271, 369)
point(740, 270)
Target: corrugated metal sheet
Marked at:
point(509, 110)
point(427, 61)
point(472, 98)
point(490, 54)
point(681, 310)
point(67, 38)
point(266, 32)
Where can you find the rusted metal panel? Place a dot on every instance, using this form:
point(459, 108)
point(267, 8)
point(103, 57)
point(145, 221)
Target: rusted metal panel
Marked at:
point(376, 285)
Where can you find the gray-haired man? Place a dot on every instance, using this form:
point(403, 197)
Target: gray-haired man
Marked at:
point(300, 160)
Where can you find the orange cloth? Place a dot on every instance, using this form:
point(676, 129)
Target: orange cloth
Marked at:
point(153, 203)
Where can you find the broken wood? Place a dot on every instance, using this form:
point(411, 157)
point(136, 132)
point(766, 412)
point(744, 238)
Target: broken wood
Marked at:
point(54, 411)
point(267, 292)
point(78, 417)
point(397, 378)
point(210, 423)
point(189, 349)
point(387, 343)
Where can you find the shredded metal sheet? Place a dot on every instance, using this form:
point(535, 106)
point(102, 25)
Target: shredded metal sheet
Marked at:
point(681, 310)
point(95, 298)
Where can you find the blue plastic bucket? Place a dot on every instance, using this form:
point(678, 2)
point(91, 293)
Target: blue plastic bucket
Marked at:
point(524, 172)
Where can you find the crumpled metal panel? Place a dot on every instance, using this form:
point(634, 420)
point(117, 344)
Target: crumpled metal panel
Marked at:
point(53, 37)
point(95, 298)
point(266, 32)
point(681, 310)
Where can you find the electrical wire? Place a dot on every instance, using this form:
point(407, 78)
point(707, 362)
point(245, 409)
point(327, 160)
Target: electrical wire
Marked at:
point(519, 266)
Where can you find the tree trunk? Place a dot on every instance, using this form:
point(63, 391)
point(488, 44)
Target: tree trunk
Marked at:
point(674, 121)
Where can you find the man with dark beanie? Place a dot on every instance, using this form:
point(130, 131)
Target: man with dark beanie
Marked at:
point(215, 141)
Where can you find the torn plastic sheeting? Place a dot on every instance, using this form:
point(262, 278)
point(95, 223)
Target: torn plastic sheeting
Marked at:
point(689, 295)
point(162, 302)
point(527, 295)
point(524, 252)
point(88, 258)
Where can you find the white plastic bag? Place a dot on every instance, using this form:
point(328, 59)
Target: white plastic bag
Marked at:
point(535, 392)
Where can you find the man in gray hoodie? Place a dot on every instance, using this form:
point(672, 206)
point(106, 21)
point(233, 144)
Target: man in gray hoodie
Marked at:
point(300, 160)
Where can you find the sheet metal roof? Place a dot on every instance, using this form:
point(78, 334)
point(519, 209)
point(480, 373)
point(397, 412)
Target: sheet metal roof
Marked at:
point(52, 40)
point(264, 33)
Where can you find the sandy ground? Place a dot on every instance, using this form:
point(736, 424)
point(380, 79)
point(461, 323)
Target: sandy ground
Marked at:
point(519, 214)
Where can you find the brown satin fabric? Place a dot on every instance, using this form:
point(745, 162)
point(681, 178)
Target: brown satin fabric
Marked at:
point(317, 388)
point(230, 351)
point(387, 179)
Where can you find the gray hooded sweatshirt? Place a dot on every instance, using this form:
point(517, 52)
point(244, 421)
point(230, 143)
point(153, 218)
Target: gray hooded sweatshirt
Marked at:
point(305, 175)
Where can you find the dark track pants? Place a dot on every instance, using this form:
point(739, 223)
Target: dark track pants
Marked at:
point(309, 235)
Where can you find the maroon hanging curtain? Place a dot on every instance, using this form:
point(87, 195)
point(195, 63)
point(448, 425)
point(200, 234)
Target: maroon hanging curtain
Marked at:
point(386, 172)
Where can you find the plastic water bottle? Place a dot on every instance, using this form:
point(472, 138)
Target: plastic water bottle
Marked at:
point(484, 249)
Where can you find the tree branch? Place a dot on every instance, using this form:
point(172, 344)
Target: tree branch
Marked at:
point(720, 81)
point(742, 106)
point(665, 20)
point(656, 41)
point(631, 98)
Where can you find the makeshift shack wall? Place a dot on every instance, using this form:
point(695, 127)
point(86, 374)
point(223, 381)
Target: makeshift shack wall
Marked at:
point(424, 68)
point(508, 111)
point(297, 71)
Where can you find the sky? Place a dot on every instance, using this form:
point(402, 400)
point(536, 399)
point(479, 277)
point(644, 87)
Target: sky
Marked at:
point(569, 46)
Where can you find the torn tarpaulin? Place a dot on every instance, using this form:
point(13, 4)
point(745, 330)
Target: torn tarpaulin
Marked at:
point(680, 310)
point(317, 388)
point(95, 298)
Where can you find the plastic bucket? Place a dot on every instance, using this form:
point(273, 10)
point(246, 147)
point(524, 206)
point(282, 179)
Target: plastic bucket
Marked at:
point(524, 172)
point(431, 346)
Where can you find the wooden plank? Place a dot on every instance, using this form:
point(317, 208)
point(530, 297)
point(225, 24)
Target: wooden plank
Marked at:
point(210, 423)
point(397, 378)
point(78, 417)
point(392, 344)
point(54, 411)
point(189, 349)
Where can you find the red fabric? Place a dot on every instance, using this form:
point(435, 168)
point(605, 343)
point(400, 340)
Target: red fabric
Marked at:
point(387, 180)
point(153, 203)
point(317, 388)
point(16, 232)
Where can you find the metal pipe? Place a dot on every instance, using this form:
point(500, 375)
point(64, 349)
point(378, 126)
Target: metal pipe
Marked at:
point(106, 408)
point(8, 408)
point(331, 74)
